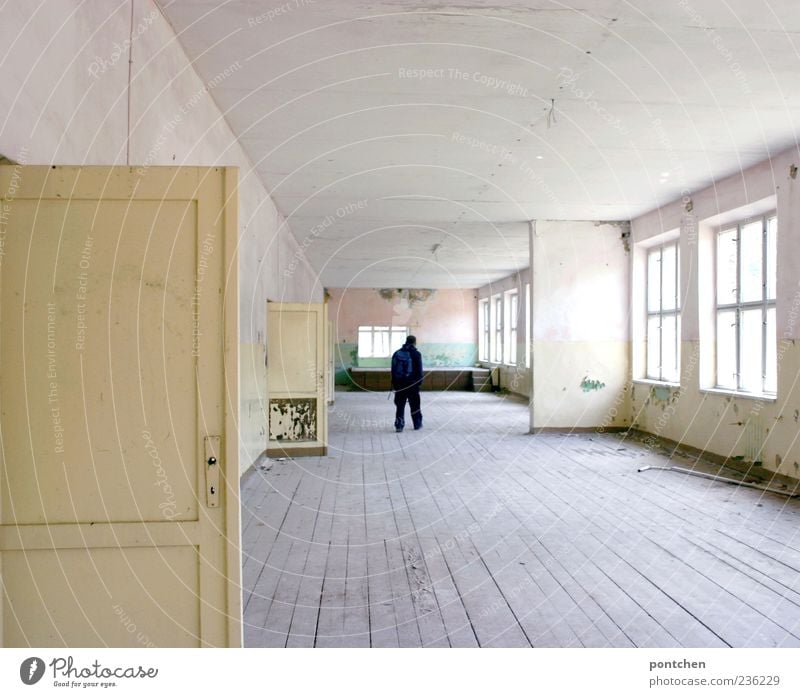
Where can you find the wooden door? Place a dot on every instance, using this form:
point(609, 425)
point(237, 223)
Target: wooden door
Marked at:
point(118, 386)
point(296, 379)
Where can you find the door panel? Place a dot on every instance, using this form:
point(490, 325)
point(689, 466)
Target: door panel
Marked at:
point(118, 299)
point(44, 615)
point(296, 379)
point(293, 342)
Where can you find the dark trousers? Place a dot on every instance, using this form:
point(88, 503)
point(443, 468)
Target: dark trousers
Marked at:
point(410, 395)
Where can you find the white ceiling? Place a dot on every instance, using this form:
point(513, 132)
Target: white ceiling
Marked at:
point(667, 96)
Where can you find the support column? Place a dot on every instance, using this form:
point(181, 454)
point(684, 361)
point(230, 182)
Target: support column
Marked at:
point(529, 319)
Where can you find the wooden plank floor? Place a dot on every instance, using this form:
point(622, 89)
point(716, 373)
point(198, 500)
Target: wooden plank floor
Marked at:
point(472, 533)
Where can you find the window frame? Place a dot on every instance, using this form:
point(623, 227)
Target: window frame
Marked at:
point(764, 304)
point(510, 326)
point(484, 326)
point(496, 351)
point(527, 325)
point(381, 328)
point(661, 313)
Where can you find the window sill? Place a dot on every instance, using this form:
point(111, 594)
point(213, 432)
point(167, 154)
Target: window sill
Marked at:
point(739, 395)
point(495, 364)
point(656, 383)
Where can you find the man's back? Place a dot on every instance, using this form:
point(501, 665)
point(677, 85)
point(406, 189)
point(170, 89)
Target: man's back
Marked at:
point(406, 367)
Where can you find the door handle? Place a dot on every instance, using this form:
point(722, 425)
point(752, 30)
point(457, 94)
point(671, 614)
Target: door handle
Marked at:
point(211, 467)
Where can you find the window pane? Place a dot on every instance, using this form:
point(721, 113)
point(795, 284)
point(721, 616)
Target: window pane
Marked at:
point(497, 349)
point(669, 352)
point(528, 325)
point(514, 311)
point(365, 342)
point(654, 281)
point(512, 348)
point(380, 342)
point(484, 328)
point(750, 338)
point(772, 250)
point(669, 289)
point(726, 349)
point(751, 262)
point(398, 338)
point(726, 267)
point(653, 341)
point(480, 332)
point(510, 325)
point(771, 377)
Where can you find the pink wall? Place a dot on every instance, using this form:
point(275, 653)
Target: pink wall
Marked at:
point(434, 316)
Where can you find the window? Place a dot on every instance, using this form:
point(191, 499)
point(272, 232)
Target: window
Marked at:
point(380, 342)
point(510, 336)
point(484, 326)
point(745, 307)
point(497, 322)
point(527, 325)
point(663, 313)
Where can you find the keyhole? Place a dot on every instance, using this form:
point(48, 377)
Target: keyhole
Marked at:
point(213, 490)
point(212, 461)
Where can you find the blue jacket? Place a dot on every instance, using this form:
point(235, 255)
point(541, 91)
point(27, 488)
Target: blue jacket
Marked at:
point(415, 381)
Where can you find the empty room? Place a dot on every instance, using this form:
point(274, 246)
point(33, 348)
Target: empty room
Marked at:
point(397, 325)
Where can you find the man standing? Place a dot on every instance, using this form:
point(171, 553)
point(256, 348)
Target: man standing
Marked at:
point(406, 382)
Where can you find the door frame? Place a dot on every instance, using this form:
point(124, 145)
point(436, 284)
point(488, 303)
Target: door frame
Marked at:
point(319, 447)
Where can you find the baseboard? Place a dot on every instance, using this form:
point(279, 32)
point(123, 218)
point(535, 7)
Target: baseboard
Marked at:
point(747, 469)
point(255, 463)
point(579, 429)
point(297, 451)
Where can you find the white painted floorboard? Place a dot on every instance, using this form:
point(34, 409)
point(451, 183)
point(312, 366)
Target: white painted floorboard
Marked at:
point(472, 533)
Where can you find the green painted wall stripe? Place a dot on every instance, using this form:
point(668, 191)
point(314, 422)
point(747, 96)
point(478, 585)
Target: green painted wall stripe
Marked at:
point(434, 355)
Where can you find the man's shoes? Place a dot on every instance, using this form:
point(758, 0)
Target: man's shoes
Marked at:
point(418, 428)
point(398, 430)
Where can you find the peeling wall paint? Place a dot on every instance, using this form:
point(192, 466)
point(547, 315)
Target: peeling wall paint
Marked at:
point(411, 296)
point(750, 430)
point(293, 419)
point(589, 385)
point(662, 393)
point(443, 320)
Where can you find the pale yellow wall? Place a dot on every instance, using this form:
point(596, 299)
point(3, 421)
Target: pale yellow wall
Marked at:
point(65, 101)
point(722, 424)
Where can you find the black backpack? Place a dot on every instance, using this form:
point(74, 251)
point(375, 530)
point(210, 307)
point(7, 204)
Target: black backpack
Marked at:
point(402, 367)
